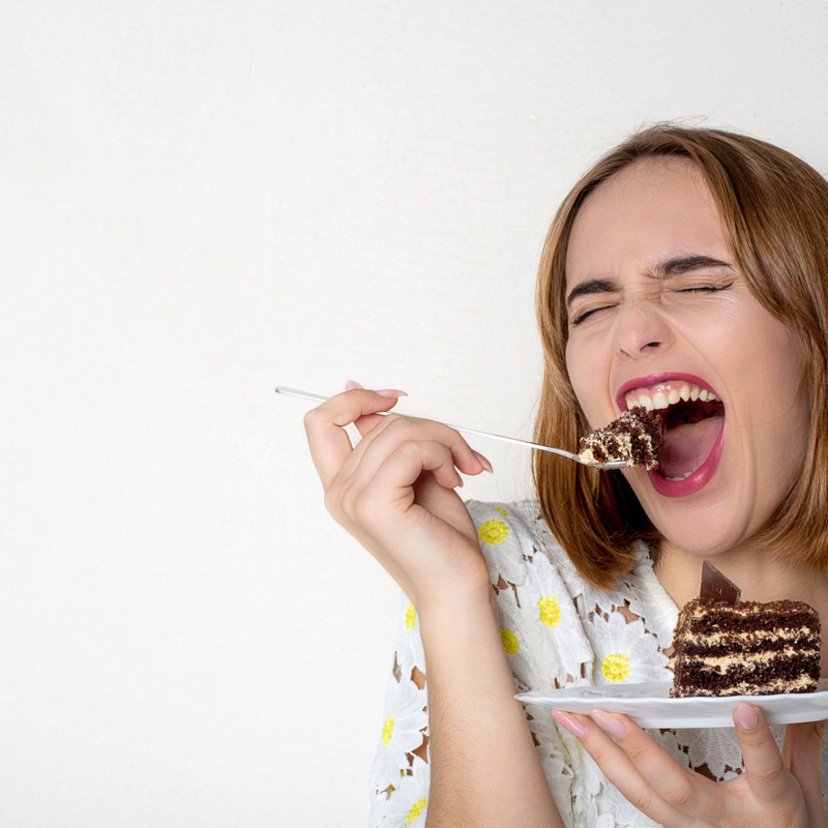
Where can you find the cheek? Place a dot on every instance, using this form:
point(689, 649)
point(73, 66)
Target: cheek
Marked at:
point(771, 400)
point(782, 399)
point(584, 374)
point(781, 360)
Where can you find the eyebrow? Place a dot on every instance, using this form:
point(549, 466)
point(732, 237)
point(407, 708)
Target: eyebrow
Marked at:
point(676, 266)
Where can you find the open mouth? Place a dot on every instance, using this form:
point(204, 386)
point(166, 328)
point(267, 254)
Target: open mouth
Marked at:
point(692, 417)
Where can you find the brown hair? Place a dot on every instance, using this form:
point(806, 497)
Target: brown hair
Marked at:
point(774, 212)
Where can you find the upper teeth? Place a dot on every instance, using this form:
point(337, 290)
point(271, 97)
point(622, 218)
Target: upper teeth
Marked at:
point(667, 393)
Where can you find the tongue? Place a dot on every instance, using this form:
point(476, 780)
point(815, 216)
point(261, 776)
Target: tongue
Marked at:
point(687, 446)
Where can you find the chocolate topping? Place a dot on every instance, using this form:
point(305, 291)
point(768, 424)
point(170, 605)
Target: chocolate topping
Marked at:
point(634, 438)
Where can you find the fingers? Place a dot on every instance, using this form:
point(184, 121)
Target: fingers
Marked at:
point(782, 785)
point(802, 748)
point(414, 457)
point(376, 503)
point(677, 790)
point(329, 443)
point(765, 771)
point(331, 447)
point(641, 770)
point(390, 468)
point(398, 431)
point(801, 754)
point(369, 421)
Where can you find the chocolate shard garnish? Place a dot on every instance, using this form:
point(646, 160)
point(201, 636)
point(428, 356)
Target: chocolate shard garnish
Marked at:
point(717, 587)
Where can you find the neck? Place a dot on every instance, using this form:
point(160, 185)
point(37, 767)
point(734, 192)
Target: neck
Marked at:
point(758, 576)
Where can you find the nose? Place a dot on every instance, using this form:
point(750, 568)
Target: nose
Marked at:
point(640, 330)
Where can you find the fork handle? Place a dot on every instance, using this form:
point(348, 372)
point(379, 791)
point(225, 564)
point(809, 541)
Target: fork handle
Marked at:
point(306, 395)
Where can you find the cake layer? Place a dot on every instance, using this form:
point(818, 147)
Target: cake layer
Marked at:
point(753, 619)
point(634, 438)
point(770, 687)
point(749, 647)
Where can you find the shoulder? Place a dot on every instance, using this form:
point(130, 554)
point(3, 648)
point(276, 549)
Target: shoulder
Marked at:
point(521, 551)
point(514, 537)
point(538, 595)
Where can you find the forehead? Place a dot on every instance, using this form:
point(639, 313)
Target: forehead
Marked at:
point(652, 210)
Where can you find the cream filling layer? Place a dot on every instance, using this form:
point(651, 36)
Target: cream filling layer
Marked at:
point(622, 450)
point(719, 664)
point(712, 639)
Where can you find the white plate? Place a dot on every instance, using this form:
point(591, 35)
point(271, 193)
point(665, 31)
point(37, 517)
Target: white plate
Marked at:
point(650, 705)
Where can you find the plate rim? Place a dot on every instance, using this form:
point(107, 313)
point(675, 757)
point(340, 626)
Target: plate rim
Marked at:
point(668, 712)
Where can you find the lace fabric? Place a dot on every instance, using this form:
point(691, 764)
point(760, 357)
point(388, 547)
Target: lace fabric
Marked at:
point(557, 630)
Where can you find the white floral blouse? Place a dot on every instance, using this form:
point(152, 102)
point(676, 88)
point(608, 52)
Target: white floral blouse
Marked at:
point(557, 630)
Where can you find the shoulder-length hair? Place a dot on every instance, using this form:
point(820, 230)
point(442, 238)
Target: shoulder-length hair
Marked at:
point(774, 212)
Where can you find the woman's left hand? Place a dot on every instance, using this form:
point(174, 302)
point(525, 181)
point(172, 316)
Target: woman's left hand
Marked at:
point(776, 789)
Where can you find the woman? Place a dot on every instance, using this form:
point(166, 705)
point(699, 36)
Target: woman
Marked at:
point(688, 269)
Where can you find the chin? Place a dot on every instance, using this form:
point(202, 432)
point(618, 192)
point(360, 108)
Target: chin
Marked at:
point(705, 533)
point(701, 547)
point(699, 525)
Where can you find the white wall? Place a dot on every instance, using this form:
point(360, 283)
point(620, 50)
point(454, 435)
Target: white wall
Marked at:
point(202, 200)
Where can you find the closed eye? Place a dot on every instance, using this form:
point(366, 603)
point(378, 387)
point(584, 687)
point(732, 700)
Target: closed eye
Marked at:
point(703, 289)
point(585, 314)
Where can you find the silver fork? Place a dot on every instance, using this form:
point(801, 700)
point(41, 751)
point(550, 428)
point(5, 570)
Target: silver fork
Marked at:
point(622, 464)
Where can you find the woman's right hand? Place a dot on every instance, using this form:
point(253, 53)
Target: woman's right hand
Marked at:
point(394, 492)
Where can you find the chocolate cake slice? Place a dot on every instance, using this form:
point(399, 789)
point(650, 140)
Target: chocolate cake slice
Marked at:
point(746, 648)
point(634, 438)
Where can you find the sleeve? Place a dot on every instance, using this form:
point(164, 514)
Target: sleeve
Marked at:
point(543, 634)
point(399, 775)
point(544, 644)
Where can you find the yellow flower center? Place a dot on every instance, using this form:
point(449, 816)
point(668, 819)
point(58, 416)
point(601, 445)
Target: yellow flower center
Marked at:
point(416, 811)
point(550, 611)
point(493, 531)
point(616, 666)
point(388, 730)
point(510, 642)
point(410, 617)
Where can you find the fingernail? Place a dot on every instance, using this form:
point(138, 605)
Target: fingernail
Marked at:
point(746, 717)
point(351, 384)
point(390, 392)
point(606, 721)
point(568, 721)
point(483, 461)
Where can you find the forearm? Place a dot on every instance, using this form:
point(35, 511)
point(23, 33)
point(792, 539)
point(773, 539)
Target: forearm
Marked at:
point(484, 767)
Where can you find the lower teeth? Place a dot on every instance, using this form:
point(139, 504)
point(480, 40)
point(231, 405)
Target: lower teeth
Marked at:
point(677, 479)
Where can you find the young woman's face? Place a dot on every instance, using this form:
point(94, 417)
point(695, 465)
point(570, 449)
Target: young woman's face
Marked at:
point(660, 315)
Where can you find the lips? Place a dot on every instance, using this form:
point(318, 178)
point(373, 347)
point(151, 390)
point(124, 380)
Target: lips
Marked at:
point(693, 429)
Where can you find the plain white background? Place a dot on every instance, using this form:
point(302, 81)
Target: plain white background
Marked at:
point(202, 200)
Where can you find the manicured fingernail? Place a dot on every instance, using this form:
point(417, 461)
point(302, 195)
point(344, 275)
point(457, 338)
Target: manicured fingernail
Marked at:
point(483, 461)
point(390, 392)
point(568, 721)
point(606, 721)
point(351, 384)
point(746, 717)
